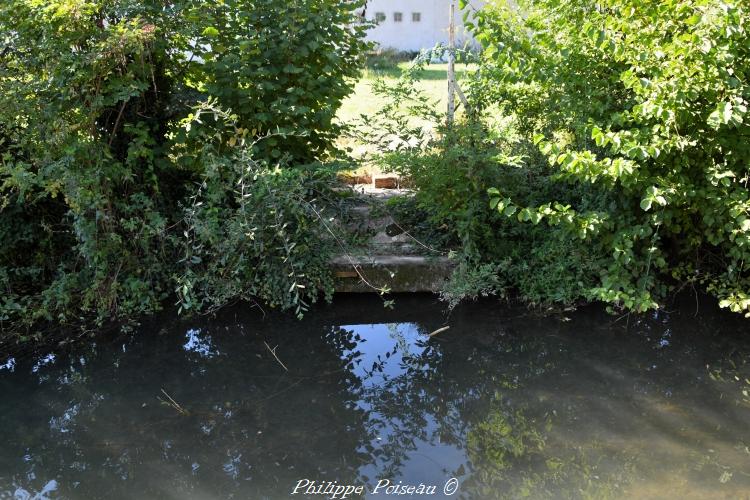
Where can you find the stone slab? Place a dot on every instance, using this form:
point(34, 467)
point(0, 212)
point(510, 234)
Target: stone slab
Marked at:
point(399, 273)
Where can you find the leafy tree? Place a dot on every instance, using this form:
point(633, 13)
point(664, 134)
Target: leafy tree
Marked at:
point(281, 65)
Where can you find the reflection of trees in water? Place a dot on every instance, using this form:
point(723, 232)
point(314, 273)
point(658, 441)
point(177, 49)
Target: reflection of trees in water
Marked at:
point(512, 458)
point(441, 393)
point(541, 409)
point(613, 413)
point(252, 428)
point(569, 411)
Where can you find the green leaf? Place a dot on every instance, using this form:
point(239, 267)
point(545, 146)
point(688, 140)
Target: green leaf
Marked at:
point(721, 115)
point(726, 112)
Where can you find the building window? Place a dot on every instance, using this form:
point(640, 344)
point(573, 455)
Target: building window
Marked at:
point(416, 17)
point(398, 17)
point(379, 17)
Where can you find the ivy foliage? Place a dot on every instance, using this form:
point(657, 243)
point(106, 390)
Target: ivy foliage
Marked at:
point(643, 106)
point(102, 151)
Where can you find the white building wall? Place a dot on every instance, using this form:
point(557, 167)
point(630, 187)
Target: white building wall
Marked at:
point(410, 35)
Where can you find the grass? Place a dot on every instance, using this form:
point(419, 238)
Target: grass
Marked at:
point(433, 81)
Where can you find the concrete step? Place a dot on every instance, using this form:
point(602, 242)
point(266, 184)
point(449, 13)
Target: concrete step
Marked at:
point(399, 273)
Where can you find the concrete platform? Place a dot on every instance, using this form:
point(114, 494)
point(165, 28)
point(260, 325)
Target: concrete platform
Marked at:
point(399, 273)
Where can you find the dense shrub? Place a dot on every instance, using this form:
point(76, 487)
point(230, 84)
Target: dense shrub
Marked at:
point(252, 230)
point(610, 141)
point(388, 59)
point(644, 104)
point(281, 66)
point(97, 166)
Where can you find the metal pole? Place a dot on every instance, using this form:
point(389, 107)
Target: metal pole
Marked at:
point(451, 62)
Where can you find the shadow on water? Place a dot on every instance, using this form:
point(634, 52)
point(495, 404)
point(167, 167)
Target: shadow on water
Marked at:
point(510, 403)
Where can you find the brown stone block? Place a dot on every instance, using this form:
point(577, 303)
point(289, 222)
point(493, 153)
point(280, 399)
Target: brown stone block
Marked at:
point(385, 181)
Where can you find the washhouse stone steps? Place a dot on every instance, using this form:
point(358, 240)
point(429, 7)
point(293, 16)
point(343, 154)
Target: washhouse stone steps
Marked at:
point(387, 257)
point(394, 273)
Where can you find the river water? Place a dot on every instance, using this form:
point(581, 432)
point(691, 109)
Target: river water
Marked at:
point(506, 403)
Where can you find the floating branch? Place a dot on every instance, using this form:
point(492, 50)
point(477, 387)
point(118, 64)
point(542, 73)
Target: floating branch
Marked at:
point(439, 330)
point(171, 402)
point(273, 351)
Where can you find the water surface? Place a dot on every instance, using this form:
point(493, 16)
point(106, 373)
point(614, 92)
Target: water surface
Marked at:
point(509, 402)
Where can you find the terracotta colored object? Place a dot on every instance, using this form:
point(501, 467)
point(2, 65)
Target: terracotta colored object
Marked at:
point(385, 181)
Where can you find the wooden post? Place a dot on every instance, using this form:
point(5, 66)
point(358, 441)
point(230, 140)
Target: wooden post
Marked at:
point(451, 62)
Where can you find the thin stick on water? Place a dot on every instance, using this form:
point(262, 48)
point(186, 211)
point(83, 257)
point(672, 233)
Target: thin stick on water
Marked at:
point(273, 351)
point(439, 330)
point(174, 404)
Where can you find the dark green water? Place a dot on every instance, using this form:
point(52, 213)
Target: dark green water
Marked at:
point(509, 403)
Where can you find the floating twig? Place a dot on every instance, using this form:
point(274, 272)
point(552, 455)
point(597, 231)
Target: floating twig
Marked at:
point(273, 351)
point(282, 391)
point(174, 404)
point(439, 330)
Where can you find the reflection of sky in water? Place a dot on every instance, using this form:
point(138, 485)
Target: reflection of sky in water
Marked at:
point(46, 492)
point(9, 365)
point(382, 350)
point(62, 423)
point(49, 358)
point(384, 354)
point(200, 343)
point(381, 401)
point(430, 463)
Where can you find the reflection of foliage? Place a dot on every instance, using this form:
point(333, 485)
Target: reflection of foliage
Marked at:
point(503, 437)
point(434, 399)
point(512, 459)
point(734, 371)
point(251, 426)
point(401, 342)
point(533, 407)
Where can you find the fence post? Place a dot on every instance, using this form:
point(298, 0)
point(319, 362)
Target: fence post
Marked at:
point(451, 62)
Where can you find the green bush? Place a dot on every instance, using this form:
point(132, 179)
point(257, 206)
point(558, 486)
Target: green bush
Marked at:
point(252, 230)
point(281, 66)
point(96, 167)
point(641, 106)
point(610, 141)
point(388, 59)
point(453, 167)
